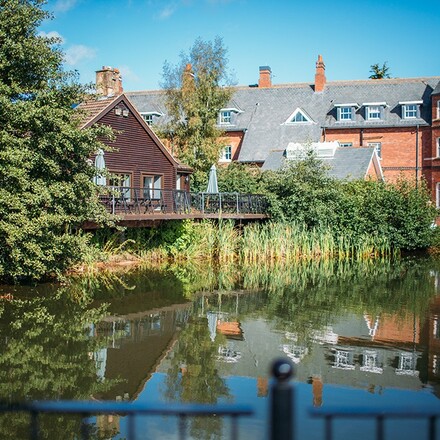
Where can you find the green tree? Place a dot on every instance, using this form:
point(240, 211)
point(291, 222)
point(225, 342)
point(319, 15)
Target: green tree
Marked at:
point(46, 188)
point(379, 72)
point(196, 89)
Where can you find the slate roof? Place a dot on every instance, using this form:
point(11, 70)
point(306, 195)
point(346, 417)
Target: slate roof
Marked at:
point(264, 111)
point(347, 163)
point(437, 89)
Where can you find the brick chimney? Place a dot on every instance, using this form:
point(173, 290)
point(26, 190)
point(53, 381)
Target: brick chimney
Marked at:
point(265, 77)
point(108, 81)
point(320, 75)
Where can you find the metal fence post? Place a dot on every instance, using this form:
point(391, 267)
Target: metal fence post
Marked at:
point(281, 401)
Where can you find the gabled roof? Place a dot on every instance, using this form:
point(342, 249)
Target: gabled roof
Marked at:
point(265, 110)
point(95, 109)
point(347, 163)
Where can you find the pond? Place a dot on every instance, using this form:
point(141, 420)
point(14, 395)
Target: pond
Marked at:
point(360, 333)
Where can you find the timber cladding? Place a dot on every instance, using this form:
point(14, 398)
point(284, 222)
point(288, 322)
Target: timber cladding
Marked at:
point(136, 151)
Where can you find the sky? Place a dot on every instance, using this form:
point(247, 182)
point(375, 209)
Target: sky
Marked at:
point(138, 36)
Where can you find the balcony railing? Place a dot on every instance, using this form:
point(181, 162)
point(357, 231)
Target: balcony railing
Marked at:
point(132, 200)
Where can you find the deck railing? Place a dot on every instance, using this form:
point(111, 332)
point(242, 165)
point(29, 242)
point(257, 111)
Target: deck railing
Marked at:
point(132, 200)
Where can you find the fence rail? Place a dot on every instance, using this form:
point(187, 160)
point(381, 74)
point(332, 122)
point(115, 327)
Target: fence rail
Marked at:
point(379, 416)
point(281, 407)
point(132, 200)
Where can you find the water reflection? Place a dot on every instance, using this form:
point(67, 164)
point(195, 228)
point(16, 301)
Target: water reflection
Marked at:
point(367, 332)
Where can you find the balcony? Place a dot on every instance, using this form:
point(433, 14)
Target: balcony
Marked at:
point(142, 206)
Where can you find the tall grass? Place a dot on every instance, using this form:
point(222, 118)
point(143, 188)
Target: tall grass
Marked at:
point(223, 242)
point(293, 242)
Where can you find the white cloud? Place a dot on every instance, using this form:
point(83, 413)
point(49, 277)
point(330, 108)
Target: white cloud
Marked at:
point(52, 34)
point(128, 74)
point(77, 53)
point(168, 10)
point(64, 5)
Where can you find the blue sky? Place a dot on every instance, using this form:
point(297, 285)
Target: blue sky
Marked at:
point(137, 36)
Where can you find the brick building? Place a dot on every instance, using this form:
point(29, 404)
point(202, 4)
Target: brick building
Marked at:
point(398, 118)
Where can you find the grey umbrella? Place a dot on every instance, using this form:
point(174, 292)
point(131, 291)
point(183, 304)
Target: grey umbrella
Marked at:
point(100, 179)
point(212, 182)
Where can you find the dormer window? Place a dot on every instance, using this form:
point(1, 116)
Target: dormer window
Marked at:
point(227, 116)
point(346, 112)
point(374, 110)
point(410, 109)
point(299, 117)
point(149, 117)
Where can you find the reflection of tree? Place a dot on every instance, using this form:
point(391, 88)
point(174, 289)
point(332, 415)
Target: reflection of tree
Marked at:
point(193, 375)
point(46, 355)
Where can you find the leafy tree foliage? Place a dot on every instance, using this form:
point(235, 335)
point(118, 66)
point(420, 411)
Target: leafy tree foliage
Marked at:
point(46, 187)
point(379, 72)
point(195, 93)
point(303, 192)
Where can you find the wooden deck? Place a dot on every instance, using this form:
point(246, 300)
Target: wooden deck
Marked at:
point(132, 210)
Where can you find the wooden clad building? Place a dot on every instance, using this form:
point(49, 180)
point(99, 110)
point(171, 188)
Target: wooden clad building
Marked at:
point(137, 158)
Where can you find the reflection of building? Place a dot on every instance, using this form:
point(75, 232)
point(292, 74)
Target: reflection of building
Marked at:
point(135, 346)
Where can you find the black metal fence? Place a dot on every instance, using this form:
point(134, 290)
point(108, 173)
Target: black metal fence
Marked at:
point(282, 424)
point(132, 200)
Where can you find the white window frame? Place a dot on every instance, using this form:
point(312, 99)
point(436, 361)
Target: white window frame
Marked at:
point(225, 117)
point(437, 195)
point(377, 146)
point(374, 113)
point(410, 109)
point(437, 144)
point(345, 144)
point(226, 154)
point(438, 109)
point(304, 118)
point(148, 117)
point(345, 114)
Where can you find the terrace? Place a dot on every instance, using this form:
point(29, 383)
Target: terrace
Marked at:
point(144, 206)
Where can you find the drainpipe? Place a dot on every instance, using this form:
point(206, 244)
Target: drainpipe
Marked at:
point(417, 155)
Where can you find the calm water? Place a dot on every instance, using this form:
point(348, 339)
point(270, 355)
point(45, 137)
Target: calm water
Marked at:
point(361, 334)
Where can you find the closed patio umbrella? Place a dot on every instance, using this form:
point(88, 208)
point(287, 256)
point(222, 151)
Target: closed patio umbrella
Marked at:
point(100, 179)
point(212, 182)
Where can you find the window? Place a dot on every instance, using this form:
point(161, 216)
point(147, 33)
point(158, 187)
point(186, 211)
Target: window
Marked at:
point(438, 147)
point(345, 144)
point(122, 181)
point(226, 154)
point(225, 117)
point(345, 114)
point(410, 109)
point(437, 194)
point(374, 112)
point(377, 146)
point(148, 118)
point(438, 109)
point(152, 186)
point(298, 116)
